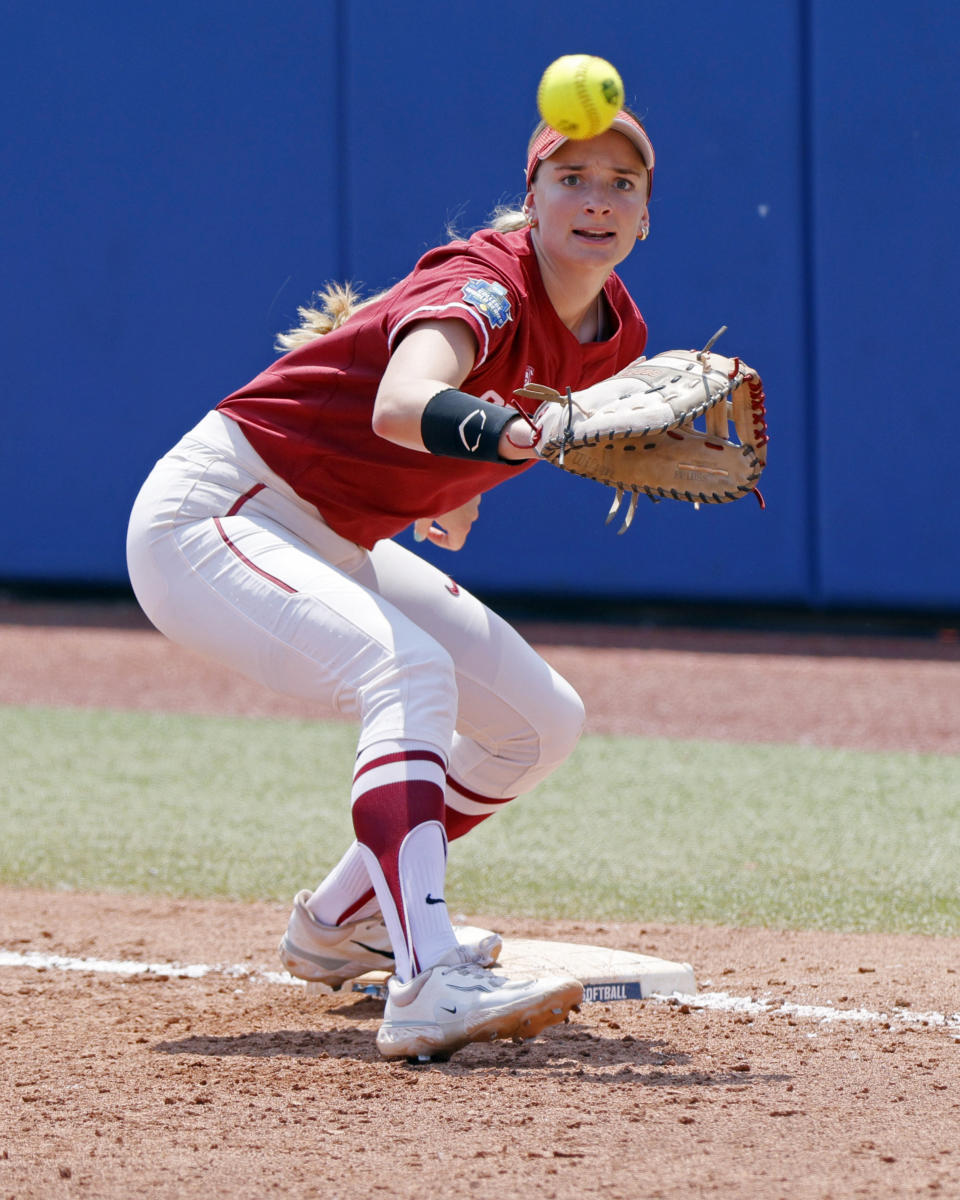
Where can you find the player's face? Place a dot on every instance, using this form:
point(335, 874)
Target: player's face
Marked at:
point(590, 200)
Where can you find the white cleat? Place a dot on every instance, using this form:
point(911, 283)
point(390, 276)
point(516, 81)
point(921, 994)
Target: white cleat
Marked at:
point(335, 954)
point(454, 1003)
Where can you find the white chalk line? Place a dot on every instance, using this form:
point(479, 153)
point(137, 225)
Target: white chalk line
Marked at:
point(824, 1013)
point(130, 967)
point(712, 1001)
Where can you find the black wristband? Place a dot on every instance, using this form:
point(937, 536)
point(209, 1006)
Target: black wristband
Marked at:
point(456, 425)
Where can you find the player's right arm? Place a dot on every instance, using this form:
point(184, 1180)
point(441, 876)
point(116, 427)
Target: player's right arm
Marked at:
point(448, 530)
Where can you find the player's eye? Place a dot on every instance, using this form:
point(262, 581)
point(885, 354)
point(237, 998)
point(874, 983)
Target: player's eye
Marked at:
point(623, 184)
point(570, 180)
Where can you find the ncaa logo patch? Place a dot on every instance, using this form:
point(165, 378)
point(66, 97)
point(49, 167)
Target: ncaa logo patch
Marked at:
point(489, 299)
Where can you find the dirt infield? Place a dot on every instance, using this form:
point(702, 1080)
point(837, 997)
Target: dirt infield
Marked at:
point(842, 1078)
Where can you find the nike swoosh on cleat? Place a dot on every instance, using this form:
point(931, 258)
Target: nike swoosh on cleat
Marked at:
point(449, 1010)
point(435, 899)
point(374, 950)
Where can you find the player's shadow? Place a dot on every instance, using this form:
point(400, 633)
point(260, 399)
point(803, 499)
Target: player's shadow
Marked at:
point(277, 1043)
point(581, 1053)
point(568, 1050)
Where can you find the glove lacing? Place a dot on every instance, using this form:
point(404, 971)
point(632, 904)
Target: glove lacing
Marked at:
point(537, 430)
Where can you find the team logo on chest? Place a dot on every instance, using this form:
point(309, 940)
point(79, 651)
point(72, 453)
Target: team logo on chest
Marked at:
point(489, 299)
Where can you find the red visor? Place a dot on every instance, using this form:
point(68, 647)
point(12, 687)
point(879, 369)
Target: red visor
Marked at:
point(548, 141)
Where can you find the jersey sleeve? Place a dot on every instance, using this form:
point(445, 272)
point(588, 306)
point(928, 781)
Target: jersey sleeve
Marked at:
point(455, 282)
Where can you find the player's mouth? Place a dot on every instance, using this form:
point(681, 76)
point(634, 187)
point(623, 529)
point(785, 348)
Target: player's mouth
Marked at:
point(598, 236)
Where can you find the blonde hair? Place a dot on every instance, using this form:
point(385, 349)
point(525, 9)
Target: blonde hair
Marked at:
point(331, 306)
point(507, 220)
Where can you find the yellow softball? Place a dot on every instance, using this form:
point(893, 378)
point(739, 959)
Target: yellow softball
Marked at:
point(579, 95)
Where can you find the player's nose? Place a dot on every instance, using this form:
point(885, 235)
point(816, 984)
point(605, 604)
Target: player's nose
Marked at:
point(596, 208)
point(596, 201)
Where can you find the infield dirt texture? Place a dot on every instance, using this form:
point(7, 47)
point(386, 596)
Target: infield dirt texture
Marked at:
point(841, 1078)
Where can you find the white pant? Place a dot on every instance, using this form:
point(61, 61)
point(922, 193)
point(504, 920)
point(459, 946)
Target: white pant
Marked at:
point(264, 586)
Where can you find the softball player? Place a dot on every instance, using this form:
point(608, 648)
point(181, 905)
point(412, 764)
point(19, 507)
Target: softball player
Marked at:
point(263, 539)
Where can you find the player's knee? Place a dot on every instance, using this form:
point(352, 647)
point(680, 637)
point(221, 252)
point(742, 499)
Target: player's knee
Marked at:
point(568, 715)
point(414, 693)
point(436, 675)
point(549, 743)
point(550, 738)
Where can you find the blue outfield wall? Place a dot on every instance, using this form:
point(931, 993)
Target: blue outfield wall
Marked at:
point(886, 263)
point(179, 178)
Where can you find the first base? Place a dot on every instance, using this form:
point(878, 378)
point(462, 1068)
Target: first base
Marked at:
point(606, 974)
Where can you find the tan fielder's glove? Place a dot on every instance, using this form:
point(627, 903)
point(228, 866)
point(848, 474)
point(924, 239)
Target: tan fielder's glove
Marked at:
point(635, 431)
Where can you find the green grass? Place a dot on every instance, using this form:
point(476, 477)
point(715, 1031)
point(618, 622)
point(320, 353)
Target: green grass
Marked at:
point(629, 829)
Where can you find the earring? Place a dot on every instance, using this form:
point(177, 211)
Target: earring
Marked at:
point(533, 222)
point(644, 233)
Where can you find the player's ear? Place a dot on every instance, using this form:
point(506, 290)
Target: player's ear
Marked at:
point(644, 231)
point(530, 210)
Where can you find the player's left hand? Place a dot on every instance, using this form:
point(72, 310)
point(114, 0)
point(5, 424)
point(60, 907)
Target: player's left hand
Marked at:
point(635, 431)
point(450, 529)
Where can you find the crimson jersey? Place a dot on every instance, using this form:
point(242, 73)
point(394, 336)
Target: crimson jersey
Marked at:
point(309, 415)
